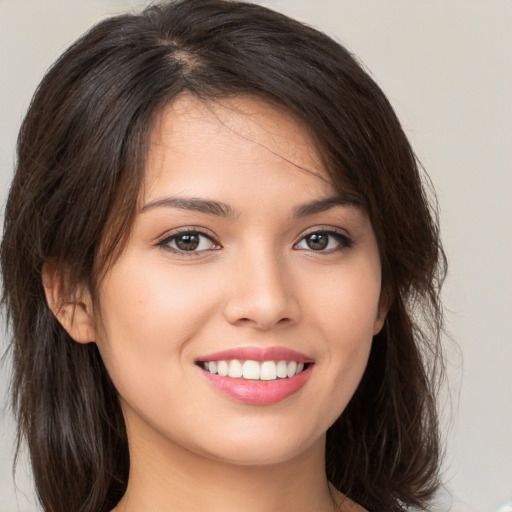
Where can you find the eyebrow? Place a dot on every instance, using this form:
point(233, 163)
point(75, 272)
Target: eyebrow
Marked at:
point(197, 205)
point(224, 210)
point(322, 205)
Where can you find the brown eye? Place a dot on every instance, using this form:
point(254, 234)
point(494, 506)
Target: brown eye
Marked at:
point(188, 242)
point(317, 241)
point(324, 241)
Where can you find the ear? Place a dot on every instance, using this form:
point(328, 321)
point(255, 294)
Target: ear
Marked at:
point(73, 311)
point(382, 312)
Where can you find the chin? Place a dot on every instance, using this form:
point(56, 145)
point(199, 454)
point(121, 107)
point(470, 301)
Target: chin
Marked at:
point(264, 443)
point(265, 453)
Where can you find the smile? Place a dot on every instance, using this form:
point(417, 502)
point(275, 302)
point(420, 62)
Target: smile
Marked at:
point(255, 375)
point(254, 370)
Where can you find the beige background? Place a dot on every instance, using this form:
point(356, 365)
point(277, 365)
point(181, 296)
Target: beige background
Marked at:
point(446, 65)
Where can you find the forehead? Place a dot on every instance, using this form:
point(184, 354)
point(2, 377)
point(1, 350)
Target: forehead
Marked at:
point(243, 131)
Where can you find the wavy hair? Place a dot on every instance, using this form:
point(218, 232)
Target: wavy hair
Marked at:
point(80, 164)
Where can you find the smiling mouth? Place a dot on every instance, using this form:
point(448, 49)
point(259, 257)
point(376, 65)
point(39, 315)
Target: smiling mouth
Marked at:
point(254, 370)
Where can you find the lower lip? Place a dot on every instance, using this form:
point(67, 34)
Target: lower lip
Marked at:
point(258, 392)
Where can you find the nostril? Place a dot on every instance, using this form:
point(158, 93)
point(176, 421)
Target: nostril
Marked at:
point(262, 301)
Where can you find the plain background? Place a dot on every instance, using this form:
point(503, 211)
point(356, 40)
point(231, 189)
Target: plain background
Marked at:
point(446, 66)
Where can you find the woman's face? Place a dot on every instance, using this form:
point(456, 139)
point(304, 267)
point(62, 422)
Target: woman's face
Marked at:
point(242, 260)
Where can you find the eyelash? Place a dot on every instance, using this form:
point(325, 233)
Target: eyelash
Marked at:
point(343, 241)
point(165, 242)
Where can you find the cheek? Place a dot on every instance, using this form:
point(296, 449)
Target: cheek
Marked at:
point(148, 316)
point(154, 304)
point(346, 315)
point(347, 307)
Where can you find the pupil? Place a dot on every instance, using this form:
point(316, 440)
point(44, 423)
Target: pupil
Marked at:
point(317, 241)
point(187, 242)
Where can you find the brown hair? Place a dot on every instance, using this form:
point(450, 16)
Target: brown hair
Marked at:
point(81, 152)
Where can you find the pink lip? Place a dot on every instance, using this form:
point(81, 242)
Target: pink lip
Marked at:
point(257, 392)
point(258, 354)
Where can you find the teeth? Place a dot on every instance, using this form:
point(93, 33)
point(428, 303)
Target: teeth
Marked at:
point(222, 368)
point(254, 370)
point(251, 370)
point(292, 368)
point(282, 369)
point(235, 369)
point(268, 371)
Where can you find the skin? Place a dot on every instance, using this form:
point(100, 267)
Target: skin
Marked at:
point(254, 281)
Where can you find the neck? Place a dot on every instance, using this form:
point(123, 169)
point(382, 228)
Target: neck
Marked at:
point(165, 476)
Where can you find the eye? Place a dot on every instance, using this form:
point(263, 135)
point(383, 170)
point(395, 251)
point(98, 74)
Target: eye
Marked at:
point(188, 242)
point(324, 241)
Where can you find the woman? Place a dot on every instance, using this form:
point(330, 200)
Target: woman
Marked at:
point(222, 274)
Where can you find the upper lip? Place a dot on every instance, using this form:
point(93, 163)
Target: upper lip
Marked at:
point(258, 354)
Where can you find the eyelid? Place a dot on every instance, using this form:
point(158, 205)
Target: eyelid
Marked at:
point(164, 239)
point(346, 239)
point(325, 229)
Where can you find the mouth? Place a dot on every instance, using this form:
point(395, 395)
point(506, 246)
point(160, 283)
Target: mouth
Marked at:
point(256, 376)
point(254, 370)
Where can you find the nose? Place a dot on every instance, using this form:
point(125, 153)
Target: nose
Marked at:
point(261, 292)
